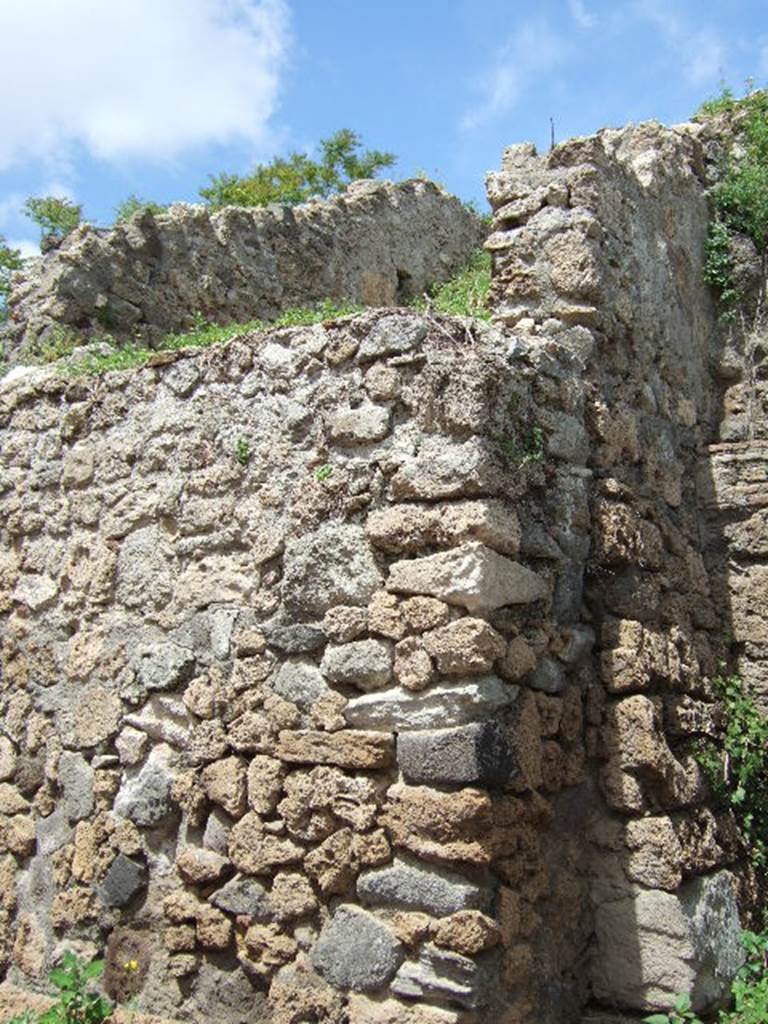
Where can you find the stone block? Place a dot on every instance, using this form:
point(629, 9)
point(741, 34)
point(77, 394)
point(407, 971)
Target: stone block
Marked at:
point(449, 704)
point(364, 425)
point(465, 647)
point(299, 681)
point(413, 885)
point(243, 896)
point(653, 945)
point(443, 976)
point(441, 469)
point(334, 565)
point(366, 664)
point(347, 748)
point(406, 529)
point(472, 576)
point(392, 336)
point(124, 879)
point(146, 798)
point(295, 639)
point(476, 753)
point(356, 950)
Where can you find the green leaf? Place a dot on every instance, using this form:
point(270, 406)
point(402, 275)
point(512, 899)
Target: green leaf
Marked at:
point(657, 1018)
point(683, 1003)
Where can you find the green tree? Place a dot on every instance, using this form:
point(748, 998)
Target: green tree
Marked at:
point(740, 198)
point(293, 179)
point(10, 260)
point(132, 204)
point(55, 217)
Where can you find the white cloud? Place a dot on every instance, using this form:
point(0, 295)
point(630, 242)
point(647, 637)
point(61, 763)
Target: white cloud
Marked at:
point(136, 78)
point(700, 53)
point(580, 14)
point(26, 246)
point(533, 51)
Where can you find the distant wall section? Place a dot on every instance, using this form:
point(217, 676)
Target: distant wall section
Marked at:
point(378, 244)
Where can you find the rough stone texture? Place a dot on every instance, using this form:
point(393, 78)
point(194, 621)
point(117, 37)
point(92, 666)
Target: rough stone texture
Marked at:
point(476, 753)
point(415, 886)
point(654, 945)
point(546, 523)
point(452, 703)
point(356, 950)
point(472, 576)
point(378, 243)
point(333, 566)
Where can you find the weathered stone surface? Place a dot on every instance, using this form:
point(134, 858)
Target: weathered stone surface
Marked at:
point(164, 666)
point(468, 932)
point(442, 975)
point(364, 425)
point(689, 942)
point(413, 668)
point(76, 779)
point(447, 704)
point(254, 851)
point(225, 784)
point(265, 783)
point(456, 826)
point(92, 719)
point(472, 575)
point(273, 260)
point(332, 566)
point(201, 867)
point(548, 676)
point(298, 993)
point(446, 470)
point(365, 1010)
point(407, 529)
point(348, 748)
point(476, 753)
point(146, 798)
point(343, 623)
point(243, 896)
point(356, 950)
point(124, 879)
point(366, 664)
point(465, 646)
point(413, 886)
point(296, 639)
point(320, 800)
point(392, 336)
point(299, 681)
point(7, 759)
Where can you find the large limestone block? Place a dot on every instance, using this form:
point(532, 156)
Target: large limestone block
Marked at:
point(472, 576)
point(407, 528)
point(450, 704)
point(334, 565)
point(653, 945)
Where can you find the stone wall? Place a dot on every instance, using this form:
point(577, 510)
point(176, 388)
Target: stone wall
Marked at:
point(268, 613)
point(378, 244)
point(353, 673)
point(607, 233)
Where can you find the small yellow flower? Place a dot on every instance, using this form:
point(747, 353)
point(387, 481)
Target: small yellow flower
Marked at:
point(131, 965)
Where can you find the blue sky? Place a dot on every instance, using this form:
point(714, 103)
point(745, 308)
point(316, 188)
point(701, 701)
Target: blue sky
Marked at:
point(102, 99)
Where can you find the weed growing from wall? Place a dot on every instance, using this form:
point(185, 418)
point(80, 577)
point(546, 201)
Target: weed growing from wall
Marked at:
point(740, 198)
point(77, 1002)
point(466, 294)
point(737, 767)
